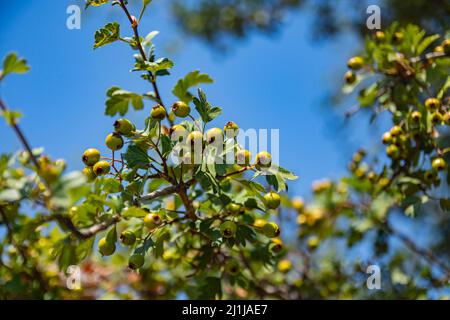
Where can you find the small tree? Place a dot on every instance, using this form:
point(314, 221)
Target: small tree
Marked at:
point(177, 217)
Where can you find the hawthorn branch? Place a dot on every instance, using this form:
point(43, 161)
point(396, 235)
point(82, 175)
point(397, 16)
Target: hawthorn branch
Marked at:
point(21, 136)
point(134, 26)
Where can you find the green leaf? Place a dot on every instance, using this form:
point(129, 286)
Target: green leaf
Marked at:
point(13, 64)
point(111, 236)
point(134, 212)
point(425, 43)
point(111, 185)
point(203, 107)
point(135, 156)
point(148, 243)
point(106, 35)
point(192, 79)
point(95, 3)
point(119, 100)
point(155, 66)
point(10, 116)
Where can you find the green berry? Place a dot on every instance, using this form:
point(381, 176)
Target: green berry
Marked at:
point(263, 160)
point(214, 136)
point(128, 237)
point(136, 261)
point(395, 131)
point(355, 63)
point(432, 103)
point(387, 138)
point(446, 46)
point(232, 267)
point(273, 200)
point(89, 174)
point(114, 141)
point(105, 248)
point(438, 164)
point(271, 230)
point(91, 156)
point(416, 116)
point(233, 208)
point(195, 139)
point(380, 36)
point(158, 112)
point(392, 151)
point(101, 168)
point(276, 245)
point(231, 129)
point(228, 229)
point(436, 118)
point(178, 133)
point(243, 157)
point(349, 77)
point(124, 127)
point(397, 37)
point(152, 220)
point(181, 109)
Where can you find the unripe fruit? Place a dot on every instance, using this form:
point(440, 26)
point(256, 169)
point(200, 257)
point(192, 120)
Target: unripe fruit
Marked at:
point(271, 230)
point(380, 36)
point(136, 261)
point(152, 220)
point(214, 136)
point(372, 176)
point(276, 246)
point(195, 139)
point(89, 174)
point(91, 156)
point(259, 223)
point(243, 157)
point(436, 118)
point(105, 248)
point(355, 63)
point(228, 229)
point(298, 204)
point(128, 237)
point(124, 127)
point(349, 77)
point(263, 160)
point(101, 168)
point(392, 151)
point(387, 138)
point(273, 200)
point(49, 173)
point(430, 176)
point(284, 266)
point(446, 46)
point(416, 116)
point(232, 267)
point(438, 49)
point(447, 117)
point(181, 109)
point(178, 133)
point(231, 129)
point(114, 141)
point(432, 103)
point(158, 112)
point(397, 37)
point(233, 208)
point(438, 164)
point(395, 131)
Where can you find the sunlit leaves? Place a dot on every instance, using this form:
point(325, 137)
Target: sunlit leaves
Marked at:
point(119, 100)
point(106, 35)
point(192, 79)
point(204, 108)
point(13, 64)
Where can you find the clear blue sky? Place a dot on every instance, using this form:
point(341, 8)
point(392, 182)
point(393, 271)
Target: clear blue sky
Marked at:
point(265, 82)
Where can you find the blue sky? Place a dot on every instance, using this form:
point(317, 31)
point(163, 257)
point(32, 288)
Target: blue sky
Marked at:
point(264, 82)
